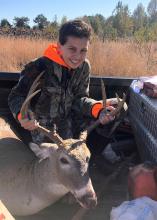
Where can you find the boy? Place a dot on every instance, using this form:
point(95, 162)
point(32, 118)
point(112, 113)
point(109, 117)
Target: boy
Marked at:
point(64, 88)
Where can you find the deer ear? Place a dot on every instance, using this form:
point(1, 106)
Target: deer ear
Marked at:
point(41, 153)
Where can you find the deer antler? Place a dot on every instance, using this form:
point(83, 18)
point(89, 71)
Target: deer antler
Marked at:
point(103, 91)
point(26, 111)
point(113, 113)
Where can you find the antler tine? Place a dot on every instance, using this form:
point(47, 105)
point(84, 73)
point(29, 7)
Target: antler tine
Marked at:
point(31, 94)
point(35, 84)
point(103, 91)
point(83, 135)
point(120, 105)
point(24, 108)
point(52, 135)
point(118, 99)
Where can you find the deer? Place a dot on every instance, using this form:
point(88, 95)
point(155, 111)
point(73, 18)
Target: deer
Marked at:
point(33, 178)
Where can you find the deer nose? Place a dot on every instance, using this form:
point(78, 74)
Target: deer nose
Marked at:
point(88, 201)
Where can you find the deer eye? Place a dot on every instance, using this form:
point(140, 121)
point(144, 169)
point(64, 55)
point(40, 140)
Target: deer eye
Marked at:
point(63, 160)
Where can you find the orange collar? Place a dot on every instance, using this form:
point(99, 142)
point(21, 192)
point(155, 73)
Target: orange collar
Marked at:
point(53, 54)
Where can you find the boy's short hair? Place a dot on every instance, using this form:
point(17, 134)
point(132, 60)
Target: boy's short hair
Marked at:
point(75, 28)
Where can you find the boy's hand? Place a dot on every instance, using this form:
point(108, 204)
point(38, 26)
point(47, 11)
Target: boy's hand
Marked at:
point(105, 116)
point(28, 124)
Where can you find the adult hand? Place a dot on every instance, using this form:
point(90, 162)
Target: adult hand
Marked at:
point(105, 116)
point(28, 124)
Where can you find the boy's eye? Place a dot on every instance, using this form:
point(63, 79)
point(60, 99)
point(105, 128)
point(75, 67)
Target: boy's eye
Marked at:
point(84, 51)
point(72, 49)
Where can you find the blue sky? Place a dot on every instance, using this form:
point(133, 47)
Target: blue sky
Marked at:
point(70, 8)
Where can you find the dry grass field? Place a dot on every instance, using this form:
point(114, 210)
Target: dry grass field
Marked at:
point(107, 58)
point(16, 52)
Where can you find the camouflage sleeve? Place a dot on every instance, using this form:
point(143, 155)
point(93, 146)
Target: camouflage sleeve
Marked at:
point(20, 91)
point(82, 101)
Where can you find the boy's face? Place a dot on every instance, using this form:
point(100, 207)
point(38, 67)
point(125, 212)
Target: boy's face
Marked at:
point(74, 51)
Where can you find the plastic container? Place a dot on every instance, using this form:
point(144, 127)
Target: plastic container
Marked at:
point(139, 209)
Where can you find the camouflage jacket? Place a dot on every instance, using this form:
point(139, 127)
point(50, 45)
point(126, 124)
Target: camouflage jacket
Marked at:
point(63, 92)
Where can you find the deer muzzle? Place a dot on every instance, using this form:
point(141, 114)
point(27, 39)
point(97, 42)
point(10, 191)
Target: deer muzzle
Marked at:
point(88, 201)
point(86, 196)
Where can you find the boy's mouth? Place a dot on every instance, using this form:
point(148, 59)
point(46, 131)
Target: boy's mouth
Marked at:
point(75, 62)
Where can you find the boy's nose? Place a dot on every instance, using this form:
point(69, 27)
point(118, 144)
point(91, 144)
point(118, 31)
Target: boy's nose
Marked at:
point(77, 55)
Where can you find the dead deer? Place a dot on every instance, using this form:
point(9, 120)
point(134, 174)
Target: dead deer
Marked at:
point(29, 181)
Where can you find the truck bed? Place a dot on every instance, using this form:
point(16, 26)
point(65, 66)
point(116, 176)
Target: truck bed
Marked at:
point(111, 187)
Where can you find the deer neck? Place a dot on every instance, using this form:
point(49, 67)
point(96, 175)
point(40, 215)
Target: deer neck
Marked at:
point(45, 177)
